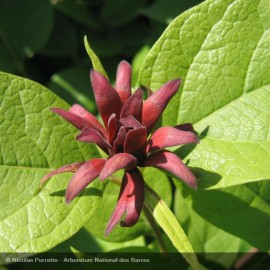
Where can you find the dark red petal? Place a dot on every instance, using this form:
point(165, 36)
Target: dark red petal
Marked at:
point(136, 198)
point(123, 80)
point(130, 122)
point(154, 106)
point(80, 120)
point(135, 143)
point(113, 126)
point(91, 120)
point(91, 136)
point(130, 200)
point(133, 106)
point(107, 98)
point(118, 144)
point(74, 119)
point(172, 163)
point(67, 168)
point(170, 136)
point(88, 172)
point(117, 162)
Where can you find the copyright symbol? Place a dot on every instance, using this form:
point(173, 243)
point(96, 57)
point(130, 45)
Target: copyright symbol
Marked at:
point(8, 259)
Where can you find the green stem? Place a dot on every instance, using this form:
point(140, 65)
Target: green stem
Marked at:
point(157, 232)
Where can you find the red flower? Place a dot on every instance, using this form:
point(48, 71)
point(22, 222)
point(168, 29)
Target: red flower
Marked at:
point(125, 138)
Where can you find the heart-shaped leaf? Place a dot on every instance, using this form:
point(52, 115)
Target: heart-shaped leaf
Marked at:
point(34, 141)
point(221, 50)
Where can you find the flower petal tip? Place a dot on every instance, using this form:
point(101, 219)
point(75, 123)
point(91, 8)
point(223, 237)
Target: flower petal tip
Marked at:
point(190, 180)
point(68, 200)
point(178, 81)
point(154, 106)
point(123, 80)
point(112, 223)
point(70, 195)
point(97, 79)
point(93, 72)
point(43, 181)
point(55, 110)
point(173, 85)
point(124, 62)
point(194, 185)
point(107, 231)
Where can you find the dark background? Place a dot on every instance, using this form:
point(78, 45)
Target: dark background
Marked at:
point(43, 40)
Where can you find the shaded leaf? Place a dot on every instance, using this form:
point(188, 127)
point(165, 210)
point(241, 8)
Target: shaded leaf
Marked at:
point(119, 13)
point(63, 40)
point(73, 85)
point(165, 12)
point(240, 210)
point(208, 240)
point(27, 38)
point(77, 11)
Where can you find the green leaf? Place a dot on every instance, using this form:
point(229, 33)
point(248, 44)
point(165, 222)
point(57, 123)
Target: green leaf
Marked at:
point(240, 210)
point(25, 32)
point(73, 85)
point(137, 63)
point(128, 258)
point(63, 40)
point(125, 43)
point(211, 242)
point(167, 221)
point(106, 246)
point(82, 240)
point(166, 11)
point(85, 241)
point(94, 58)
point(221, 51)
point(77, 11)
point(159, 182)
point(237, 143)
point(6, 61)
point(106, 46)
point(34, 141)
point(121, 12)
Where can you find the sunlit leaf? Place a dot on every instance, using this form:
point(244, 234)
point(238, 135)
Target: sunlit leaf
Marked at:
point(34, 141)
point(220, 49)
point(168, 222)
